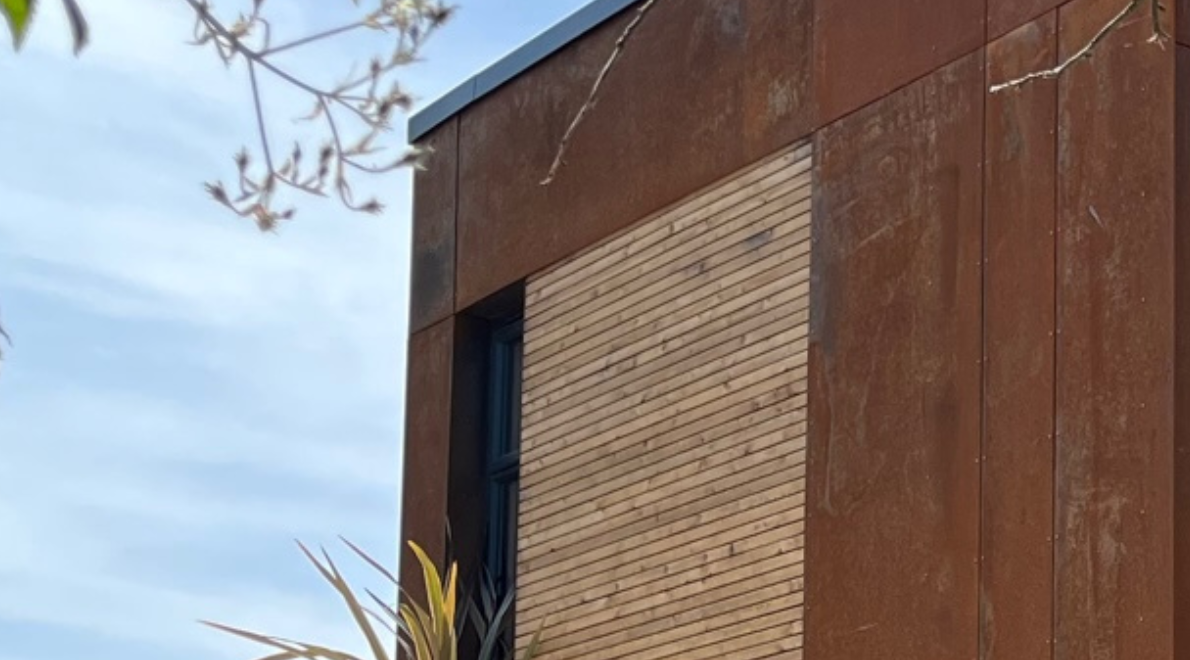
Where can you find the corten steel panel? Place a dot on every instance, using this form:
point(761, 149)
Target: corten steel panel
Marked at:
point(466, 496)
point(864, 49)
point(1115, 409)
point(434, 198)
point(893, 500)
point(1182, 24)
point(659, 131)
point(427, 447)
point(1007, 15)
point(1017, 582)
point(1182, 362)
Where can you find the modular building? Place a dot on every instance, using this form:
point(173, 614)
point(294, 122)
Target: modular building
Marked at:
point(815, 347)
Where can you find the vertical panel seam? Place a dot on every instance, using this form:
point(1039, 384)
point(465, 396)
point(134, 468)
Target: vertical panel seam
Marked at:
point(1171, 179)
point(1173, 346)
point(812, 139)
point(1057, 49)
point(892, 92)
point(980, 649)
point(458, 157)
point(1005, 31)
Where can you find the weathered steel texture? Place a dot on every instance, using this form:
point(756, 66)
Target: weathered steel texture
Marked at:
point(777, 95)
point(427, 446)
point(864, 49)
point(435, 192)
point(1005, 16)
point(706, 87)
point(1182, 24)
point(1016, 603)
point(1182, 364)
point(1115, 408)
point(525, 57)
point(466, 497)
point(893, 502)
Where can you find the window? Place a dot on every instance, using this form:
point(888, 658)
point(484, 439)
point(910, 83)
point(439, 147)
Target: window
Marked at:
point(502, 466)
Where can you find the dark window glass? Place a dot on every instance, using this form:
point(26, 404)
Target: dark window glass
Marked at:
point(503, 452)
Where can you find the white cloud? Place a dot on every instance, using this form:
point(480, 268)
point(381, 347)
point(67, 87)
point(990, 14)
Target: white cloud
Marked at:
point(109, 429)
point(133, 611)
point(201, 266)
point(147, 42)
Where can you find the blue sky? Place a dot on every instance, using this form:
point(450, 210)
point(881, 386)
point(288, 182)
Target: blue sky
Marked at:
point(185, 395)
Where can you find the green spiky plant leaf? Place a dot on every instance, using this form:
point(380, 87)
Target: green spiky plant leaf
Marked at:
point(422, 633)
point(18, 14)
point(490, 617)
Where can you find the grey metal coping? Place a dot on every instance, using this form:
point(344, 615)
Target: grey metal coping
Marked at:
point(514, 64)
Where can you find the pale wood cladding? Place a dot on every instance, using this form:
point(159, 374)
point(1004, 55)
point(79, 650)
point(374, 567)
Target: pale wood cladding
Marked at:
point(664, 431)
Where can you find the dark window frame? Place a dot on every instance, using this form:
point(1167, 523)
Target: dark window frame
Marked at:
point(502, 449)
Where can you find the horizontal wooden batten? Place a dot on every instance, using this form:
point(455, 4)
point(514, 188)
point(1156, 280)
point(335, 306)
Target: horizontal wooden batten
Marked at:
point(773, 355)
point(697, 626)
point(680, 593)
point(678, 463)
point(570, 277)
point(617, 388)
point(694, 288)
point(663, 460)
point(743, 549)
point(578, 461)
point(691, 511)
point(650, 509)
point(688, 604)
point(662, 546)
point(730, 240)
point(706, 330)
point(630, 344)
point(784, 364)
point(653, 558)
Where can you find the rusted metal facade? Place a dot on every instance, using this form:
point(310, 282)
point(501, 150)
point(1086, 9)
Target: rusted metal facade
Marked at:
point(999, 436)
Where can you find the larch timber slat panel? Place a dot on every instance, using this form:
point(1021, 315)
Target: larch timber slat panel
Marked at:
point(663, 467)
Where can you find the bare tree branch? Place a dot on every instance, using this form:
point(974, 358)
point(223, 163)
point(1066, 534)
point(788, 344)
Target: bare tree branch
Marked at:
point(1159, 37)
point(250, 38)
point(559, 158)
point(260, 124)
point(312, 38)
point(7, 341)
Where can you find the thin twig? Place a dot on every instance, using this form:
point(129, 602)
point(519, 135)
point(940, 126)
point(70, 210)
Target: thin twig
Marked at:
point(1087, 50)
point(312, 38)
point(360, 95)
point(330, 120)
point(1160, 36)
point(595, 88)
point(7, 340)
point(260, 126)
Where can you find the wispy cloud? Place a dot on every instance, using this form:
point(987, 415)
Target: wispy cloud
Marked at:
point(186, 395)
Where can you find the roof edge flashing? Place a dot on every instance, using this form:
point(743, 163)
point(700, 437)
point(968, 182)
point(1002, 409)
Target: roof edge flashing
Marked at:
point(520, 60)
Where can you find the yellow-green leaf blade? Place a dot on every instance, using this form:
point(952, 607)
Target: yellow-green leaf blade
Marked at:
point(534, 643)
point(18, 13)
point(437, 600)
point(418, 632)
